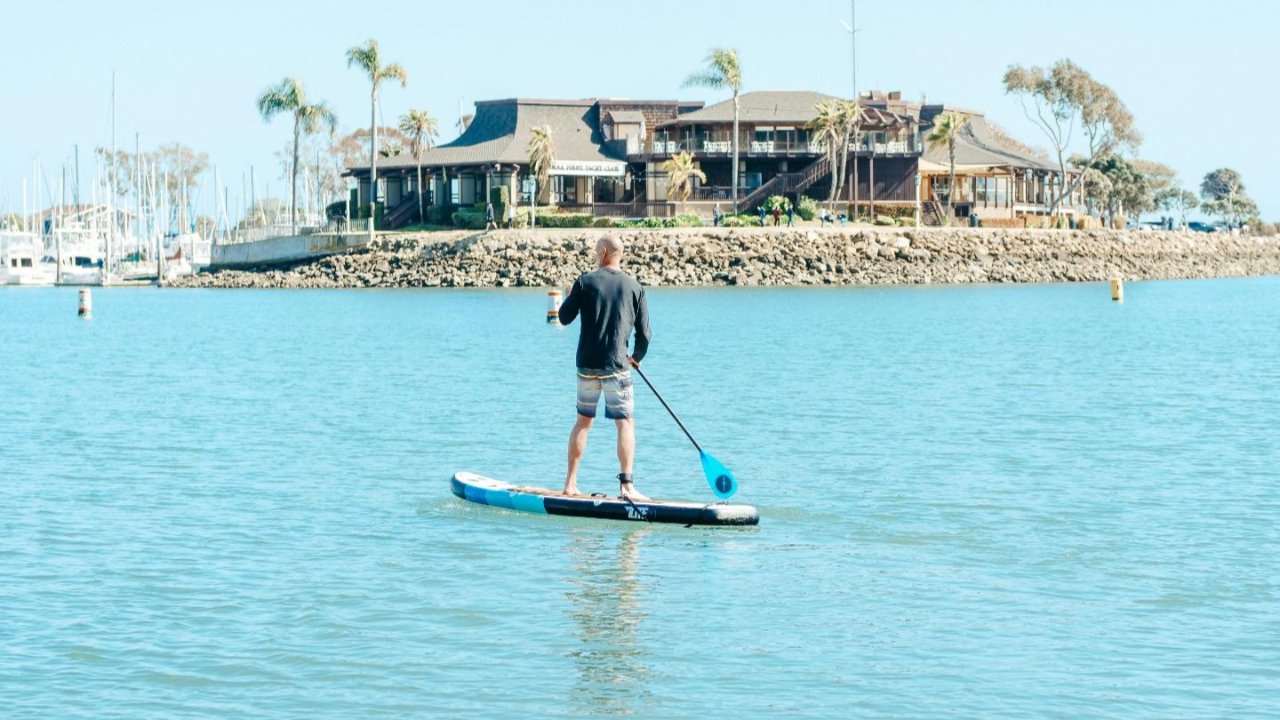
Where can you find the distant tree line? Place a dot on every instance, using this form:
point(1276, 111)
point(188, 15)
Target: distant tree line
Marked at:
point(1090, 131)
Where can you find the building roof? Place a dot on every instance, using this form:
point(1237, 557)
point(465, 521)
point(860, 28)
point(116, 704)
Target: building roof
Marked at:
point(500, 134)
point(788, 107)
point(976, 149)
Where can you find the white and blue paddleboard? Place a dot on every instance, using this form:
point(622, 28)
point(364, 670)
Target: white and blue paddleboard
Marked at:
point(487, 491)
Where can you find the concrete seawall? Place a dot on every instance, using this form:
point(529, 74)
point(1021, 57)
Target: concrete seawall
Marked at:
point(774, 257)
point(291, 248)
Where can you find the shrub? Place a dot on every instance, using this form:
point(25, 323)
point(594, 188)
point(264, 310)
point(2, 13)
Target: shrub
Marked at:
point(1082, 223)
point(501, 198)
point(906, 222)
point(1118, 222)
point(336, 210)
point(437, 215)
point(671, 222)
point(603, 222)
point(469, 219)
point(1015, 222)
point(776, 201)
point(733, 221)
point(807, 208)
point(885, 220)
point(892, 211)
point(564, 220)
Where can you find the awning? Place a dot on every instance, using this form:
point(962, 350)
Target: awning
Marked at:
point(588, 168)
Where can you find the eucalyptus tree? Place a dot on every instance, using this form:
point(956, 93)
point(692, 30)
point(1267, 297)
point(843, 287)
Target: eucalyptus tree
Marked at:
point(289, 97)
point(1223, 194)
point(367, 58)
point(723, 71)
point(1179, 200)
point(422, 130)
point(946, 128)
point(1062, 97)
point(681, 171)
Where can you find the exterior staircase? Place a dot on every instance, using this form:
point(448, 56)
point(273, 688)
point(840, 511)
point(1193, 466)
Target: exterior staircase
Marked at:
point(783, 183)
point(402, 214)
point(932, 211)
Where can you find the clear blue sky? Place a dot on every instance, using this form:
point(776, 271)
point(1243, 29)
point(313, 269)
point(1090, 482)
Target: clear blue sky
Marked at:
point(1196, 75)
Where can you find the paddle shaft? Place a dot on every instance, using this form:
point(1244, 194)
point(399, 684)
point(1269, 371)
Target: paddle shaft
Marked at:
point(668, 407)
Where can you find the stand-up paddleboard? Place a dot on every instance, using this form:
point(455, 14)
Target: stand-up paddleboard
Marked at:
point(487, 491)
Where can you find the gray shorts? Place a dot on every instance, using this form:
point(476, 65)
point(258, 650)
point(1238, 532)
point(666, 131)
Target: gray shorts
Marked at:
point(619, 398)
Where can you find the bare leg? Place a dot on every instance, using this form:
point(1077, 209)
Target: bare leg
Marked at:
point(627, 454)
point(577, 446)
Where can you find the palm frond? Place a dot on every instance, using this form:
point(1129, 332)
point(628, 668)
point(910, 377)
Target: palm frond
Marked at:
point(364, 57)
point(312, 118)
point(394, 71)
point(705, 79)
point(283, 98)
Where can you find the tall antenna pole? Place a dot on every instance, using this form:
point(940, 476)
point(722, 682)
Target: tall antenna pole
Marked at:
point(852, 27)
point(853, 43)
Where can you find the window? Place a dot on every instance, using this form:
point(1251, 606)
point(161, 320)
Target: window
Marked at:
point(941, 188)
point(567, 188)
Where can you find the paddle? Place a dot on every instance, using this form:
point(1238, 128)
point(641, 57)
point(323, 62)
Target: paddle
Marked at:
point(722, 482)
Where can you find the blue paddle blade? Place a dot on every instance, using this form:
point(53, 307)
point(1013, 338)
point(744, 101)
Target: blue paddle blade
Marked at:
point(722, 482)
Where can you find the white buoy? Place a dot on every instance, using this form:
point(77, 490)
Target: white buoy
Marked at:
point(86, 303)
point(554, 299)
point(1117, 289)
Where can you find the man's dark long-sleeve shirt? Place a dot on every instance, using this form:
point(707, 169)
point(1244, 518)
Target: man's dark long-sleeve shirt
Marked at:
point(611, 304)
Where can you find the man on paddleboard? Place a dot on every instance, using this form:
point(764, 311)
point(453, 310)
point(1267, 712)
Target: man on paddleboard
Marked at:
point(612, 305)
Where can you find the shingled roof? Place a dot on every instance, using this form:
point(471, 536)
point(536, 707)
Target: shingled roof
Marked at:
point(500, 134)
point(784, 107)
point(976, 148)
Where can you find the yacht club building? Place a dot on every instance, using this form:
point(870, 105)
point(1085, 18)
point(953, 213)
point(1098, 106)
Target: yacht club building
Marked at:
point(609, 156)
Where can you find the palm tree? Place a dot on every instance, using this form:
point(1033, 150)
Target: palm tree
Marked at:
point(723, 71)
point(828, 129)
point(681, 171)
point(849, 118)
point(422, 130)
point(366, 58)
point(945, 131)
point(308, 118)
point(542, 155)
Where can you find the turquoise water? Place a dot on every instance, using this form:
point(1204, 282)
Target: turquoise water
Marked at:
point(976, 502)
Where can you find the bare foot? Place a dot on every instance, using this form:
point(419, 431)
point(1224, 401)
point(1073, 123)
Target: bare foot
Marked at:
point(633, 495)
point(571, 490)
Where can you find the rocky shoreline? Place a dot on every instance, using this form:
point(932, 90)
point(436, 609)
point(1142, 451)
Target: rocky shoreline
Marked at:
point(771, 257)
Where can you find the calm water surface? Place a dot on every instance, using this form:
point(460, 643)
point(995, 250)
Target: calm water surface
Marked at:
point(976, 502)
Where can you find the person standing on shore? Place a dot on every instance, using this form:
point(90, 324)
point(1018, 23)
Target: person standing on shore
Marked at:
point(612, 305)
point(777, 216)
point(489, 224)
point(762, 212)
point(715, 215)
point(791, 214)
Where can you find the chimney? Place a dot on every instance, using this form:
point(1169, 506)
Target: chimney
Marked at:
point(895, 95)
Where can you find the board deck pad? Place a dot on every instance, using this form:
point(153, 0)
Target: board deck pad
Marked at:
point(497, 493)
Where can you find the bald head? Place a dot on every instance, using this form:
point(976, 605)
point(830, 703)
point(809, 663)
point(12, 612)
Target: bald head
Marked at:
point(609, 251)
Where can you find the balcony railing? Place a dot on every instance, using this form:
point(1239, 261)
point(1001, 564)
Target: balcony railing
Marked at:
point(782, 147)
